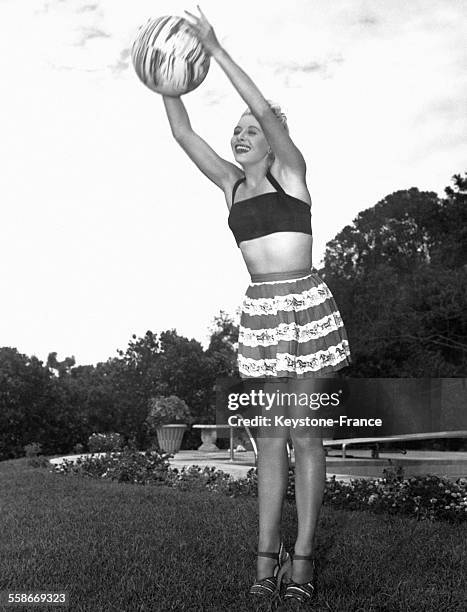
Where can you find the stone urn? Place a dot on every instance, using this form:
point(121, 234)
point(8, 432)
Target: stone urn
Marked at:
point(170, 436)
point(208, 438)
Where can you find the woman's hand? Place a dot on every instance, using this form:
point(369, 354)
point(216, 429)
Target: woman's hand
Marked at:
point(204, 31)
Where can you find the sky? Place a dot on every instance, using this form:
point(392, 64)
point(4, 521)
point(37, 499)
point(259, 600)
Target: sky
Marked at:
point(107, 229)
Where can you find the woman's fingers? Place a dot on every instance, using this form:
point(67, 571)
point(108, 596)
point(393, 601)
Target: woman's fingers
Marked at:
point(191, 15)
point(194, 24)
point(196, 18)
point(201, 12)
point(202, 29)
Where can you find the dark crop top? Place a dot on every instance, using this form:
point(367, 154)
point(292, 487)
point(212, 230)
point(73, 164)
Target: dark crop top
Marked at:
point(267, 213)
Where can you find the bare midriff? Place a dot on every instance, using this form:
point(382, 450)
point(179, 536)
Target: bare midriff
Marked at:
point(278, 252)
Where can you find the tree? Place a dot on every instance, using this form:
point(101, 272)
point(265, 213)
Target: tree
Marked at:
point(188, 372)
point(223, 345)
point(399, 278)
point(34, 406)
point(407, 325)
point(459, 190)
point(402, 231)
point(61, 367)
point(452, 252)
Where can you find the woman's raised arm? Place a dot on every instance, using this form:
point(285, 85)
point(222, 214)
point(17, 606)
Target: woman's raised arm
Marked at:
point(220, 171)
point(285, 151)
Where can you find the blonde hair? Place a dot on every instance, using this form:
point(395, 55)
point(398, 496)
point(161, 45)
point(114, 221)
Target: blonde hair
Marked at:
point(276, 109)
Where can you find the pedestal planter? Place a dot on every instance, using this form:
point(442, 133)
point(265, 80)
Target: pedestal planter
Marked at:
point(209, 436)
point(170, 437)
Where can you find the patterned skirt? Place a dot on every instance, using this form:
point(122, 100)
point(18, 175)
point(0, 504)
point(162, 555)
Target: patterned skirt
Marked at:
point(290, 327)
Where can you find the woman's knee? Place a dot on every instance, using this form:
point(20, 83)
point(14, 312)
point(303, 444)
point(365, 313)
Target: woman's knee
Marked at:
point(305, 442)
point(273, 443)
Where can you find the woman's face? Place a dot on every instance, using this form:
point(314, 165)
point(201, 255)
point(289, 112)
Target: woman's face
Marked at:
point(248, 142)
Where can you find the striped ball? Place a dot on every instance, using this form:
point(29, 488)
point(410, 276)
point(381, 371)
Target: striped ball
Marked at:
point(168, 58)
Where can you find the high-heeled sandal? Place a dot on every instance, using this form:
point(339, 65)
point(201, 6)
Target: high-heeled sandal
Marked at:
point(305, 591)
point(271, 584)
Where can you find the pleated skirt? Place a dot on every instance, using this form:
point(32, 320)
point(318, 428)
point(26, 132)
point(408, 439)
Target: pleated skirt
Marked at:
point(290, 327)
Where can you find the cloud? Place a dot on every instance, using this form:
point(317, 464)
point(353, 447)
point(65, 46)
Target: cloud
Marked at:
point(309, 67)
point(90, 33)
point(368, 20)
point(291, 71)
point(443, 107)
point(123, 61)
point(313, 66)
point(87, 7)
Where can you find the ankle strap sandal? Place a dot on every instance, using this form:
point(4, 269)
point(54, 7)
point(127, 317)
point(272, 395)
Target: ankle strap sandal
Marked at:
point(305, 591)
point(271, 584)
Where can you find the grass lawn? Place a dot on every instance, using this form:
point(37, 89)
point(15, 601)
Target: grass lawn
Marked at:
point(120, 547)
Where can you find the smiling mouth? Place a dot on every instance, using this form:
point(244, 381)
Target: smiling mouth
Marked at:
point(242, 149)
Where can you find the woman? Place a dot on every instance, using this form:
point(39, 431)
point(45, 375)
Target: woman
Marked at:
point(290, 328)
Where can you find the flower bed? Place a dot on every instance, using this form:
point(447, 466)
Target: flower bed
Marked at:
point(103, 442)
point(422, 497)
point(128, 466)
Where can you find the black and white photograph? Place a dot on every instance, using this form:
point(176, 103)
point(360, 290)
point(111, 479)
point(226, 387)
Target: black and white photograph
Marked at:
point(233, 331)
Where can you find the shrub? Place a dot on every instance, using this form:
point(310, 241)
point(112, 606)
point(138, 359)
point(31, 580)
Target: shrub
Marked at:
point(78, 448)
point(33, 449)
point(131, 444)
point(39, 462)
point(209, 478)
point(105, 442)
point(128, 466)
point(34, 458)
point(422, 497)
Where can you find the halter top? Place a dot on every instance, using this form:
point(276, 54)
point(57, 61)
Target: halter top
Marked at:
point(268, 213)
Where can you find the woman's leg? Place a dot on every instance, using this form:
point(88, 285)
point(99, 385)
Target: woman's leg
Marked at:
point(273, 473)
point(310, 477)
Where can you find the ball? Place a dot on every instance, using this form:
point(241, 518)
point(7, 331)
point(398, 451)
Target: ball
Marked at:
point(168, 58)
